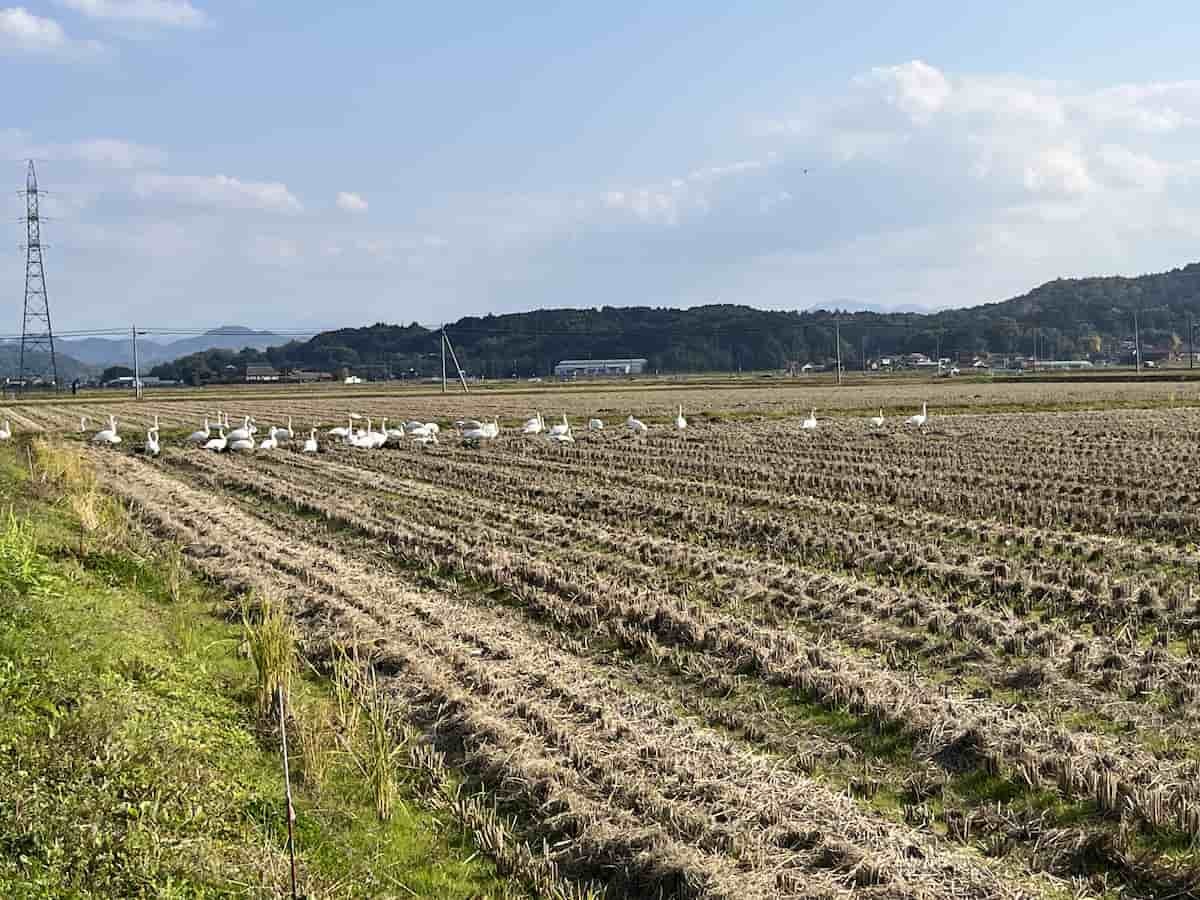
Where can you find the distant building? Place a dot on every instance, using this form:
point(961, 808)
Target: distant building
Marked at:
point(352, 379)
point(573, 368)
point(262, 373)
point(305, 376)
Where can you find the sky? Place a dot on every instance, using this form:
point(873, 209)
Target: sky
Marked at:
point(305, 165)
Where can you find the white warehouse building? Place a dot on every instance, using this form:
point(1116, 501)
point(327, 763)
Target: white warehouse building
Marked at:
point(573, 368)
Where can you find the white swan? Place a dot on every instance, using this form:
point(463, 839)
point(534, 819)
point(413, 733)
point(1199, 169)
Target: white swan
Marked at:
point(341, 432)
point(919, 420)
point(152, 448)
point(290, 434)
point(877, 421)
point(310, 446)
point(563, 427)
point(811, 422)
point(218, 443)
point(269, 443)
point(241, 434)
point(242, 444)
point(680, 421)
point(637, 426)
point(376, 439)
point(534, 425)
point(83, 424)
point(595, 425)
point(108, 435)
point(564, 436)
point(199, 437)
point(5, 431)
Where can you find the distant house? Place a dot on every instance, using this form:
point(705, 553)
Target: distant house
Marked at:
point(352, 379)
point(573, 368)
point(262, 373)
point(304, 376)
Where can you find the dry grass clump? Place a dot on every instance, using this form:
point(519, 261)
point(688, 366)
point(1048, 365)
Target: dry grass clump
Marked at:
point(270, 637)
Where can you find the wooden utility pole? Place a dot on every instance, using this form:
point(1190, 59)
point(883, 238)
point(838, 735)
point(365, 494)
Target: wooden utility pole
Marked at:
point(137, 371)
point(1137, 343)
point(837, 339)
point(443, 343)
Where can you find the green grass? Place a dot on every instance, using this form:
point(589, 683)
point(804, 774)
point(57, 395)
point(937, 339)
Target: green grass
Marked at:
point(132, 763)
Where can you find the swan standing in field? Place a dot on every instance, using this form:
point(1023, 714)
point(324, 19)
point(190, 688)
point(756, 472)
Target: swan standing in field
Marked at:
point(680, 421)
point(536, 425)
point(595, 425)
point(241, 434)
point(811, 422)
point(563, 427)
point(340, 432)
point(83, 424)
point(108, 435)
point(310, 446)
point(152, 448)
point(562, 437)
point(270, 442)
point(218, 443)
point(877, 421)
point(637, 426)
point(242, 444)
point(5, 431)
point(921, 419)
point(425, 438)
point(199, 437)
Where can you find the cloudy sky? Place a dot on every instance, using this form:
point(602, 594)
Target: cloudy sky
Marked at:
point(312, 164)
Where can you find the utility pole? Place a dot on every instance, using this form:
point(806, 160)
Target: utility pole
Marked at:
point(446, 345)
point(1137, 343)
point(837, 339)
point(862, 352)
point(37, 337)
point(1191, 343)
point(137, 373)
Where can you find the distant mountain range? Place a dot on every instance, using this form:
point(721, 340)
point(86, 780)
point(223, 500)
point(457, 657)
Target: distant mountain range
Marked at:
point(69, 368)
point(102, 352)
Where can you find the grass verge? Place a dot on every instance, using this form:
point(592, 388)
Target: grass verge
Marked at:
point(133, 762)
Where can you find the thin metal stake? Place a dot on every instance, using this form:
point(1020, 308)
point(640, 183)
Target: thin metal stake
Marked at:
point(287, 784)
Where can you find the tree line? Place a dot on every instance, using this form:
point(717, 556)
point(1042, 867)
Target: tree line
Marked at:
point(1063, 319)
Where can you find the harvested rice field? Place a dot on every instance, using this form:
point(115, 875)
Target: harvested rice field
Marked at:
point(748, 659)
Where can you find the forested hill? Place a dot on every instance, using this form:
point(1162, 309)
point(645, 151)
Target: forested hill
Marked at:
point(1071, 318)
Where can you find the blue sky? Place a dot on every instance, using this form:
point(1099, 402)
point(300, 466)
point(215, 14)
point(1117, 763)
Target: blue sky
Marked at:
point(303, 165)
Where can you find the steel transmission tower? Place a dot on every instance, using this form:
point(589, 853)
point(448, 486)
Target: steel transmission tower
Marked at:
point(37, 337)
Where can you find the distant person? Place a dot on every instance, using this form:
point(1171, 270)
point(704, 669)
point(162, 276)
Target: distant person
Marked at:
point(75, 388)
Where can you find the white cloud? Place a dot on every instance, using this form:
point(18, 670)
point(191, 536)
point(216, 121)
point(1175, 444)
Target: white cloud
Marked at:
point(351, 202)
point(166, 13)
point(23, 32)
point(1058, 170)
point(916, 88)
point(111, 153)
point(218, 191)
point(1132, 169)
